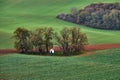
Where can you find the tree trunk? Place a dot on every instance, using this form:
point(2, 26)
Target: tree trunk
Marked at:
point(47, 48)
point(40, 49)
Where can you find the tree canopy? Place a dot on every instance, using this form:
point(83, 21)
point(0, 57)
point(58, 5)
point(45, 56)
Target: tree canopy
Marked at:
point(98, 15)
point(71, 40)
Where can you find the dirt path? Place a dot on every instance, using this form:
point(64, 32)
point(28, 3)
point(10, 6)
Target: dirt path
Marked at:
point(95, 47)
point(101, 47)
point(87, 53)
point(89, 48)
point(7, 51)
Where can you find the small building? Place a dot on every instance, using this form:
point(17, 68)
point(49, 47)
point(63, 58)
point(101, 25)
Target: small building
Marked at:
point(52, 51)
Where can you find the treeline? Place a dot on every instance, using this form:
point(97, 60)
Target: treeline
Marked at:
point(70, 40)
point(99, 15)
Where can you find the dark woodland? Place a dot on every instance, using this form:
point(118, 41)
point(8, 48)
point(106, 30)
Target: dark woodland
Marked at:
point(99, 15)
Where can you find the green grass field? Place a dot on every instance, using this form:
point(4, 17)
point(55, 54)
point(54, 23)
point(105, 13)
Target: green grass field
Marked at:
point(104, 65)
point(32, 14)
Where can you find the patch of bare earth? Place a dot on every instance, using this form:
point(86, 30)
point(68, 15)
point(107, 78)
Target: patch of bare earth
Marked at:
point(89, 48)
point(87, 53)
point(101, 47)
point(92, 48)
point(7, 51)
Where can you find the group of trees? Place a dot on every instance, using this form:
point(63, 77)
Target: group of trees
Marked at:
point(99, 15)
point(70, 40)
point(40, 39)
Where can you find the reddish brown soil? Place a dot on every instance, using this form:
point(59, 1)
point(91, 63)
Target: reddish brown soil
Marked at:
point(92, 48)
point(95, 47)
point(7, 51)
point(101, 47)
point(88, 53)
point(89, 48)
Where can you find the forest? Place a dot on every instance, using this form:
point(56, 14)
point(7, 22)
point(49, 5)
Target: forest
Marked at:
point(98, 15)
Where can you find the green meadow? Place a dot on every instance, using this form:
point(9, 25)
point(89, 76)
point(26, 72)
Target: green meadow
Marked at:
point(104, 65)
point(32, 14)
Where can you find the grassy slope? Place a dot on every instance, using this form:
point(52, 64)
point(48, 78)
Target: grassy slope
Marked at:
point(104, 65)
point(39, 13)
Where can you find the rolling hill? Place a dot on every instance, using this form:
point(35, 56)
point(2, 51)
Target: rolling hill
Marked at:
point(32, 14)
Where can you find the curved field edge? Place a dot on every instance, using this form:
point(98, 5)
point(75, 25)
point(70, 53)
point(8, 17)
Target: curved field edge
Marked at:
point(104, 65)
point(32, 14)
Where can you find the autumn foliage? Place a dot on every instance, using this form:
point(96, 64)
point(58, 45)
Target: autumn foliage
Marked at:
point(98, 15)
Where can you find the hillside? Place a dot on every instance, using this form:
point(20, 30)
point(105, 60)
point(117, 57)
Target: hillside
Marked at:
point(32, 14)
point(104, 65)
